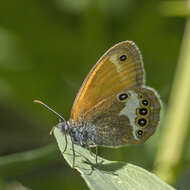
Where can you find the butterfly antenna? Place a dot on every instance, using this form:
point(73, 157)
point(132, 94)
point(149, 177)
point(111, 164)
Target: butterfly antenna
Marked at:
point(43, 104)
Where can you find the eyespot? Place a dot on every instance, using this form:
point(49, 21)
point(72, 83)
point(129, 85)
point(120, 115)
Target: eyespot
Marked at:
point(140, 133)
point(145, 102)
point(143, 111)
point(142, 122)
point(123, 96)
point(123, 57)
point(140, 96)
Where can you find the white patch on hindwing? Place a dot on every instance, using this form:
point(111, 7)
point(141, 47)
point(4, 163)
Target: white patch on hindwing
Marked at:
point(130, 111)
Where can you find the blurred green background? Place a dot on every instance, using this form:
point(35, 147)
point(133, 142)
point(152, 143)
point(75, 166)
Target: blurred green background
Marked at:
point(46, 50)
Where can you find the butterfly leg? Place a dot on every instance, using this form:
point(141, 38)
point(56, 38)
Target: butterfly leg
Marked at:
point(65, 144)
point(62, 129)
point(96, 154)
point(73, 149)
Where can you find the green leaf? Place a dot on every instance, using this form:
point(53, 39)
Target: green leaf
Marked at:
point(108, 174)
point(15, 164)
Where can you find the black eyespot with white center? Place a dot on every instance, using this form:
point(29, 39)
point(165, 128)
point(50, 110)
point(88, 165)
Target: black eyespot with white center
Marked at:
point(139, 132)
point(123, 57)
point(123, 96)
point(142, 122)
point(143, 111)
point(145, 102)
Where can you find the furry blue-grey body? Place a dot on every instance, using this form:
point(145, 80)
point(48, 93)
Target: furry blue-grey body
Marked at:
point(82, 134)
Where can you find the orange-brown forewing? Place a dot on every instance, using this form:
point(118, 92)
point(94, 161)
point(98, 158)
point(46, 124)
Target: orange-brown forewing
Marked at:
point(109, 76)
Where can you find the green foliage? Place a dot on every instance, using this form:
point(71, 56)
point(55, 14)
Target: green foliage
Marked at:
point(170, 152)
point(108, 174)
point(18, 163)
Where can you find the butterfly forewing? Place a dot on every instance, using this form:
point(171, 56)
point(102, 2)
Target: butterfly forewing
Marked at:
point(121, 67)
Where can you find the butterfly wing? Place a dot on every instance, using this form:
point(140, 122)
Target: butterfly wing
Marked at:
point(128, 117)
point(121, 67)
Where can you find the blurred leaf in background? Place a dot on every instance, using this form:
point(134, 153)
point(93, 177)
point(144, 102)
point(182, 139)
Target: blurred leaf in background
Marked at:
point(46, 50)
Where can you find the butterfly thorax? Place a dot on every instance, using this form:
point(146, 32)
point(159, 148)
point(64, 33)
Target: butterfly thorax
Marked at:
point(81, 133)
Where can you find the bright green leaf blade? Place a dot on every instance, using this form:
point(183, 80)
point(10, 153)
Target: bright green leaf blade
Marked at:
point(109, 174)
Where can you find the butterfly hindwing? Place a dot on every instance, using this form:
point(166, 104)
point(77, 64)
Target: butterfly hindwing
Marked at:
point(127, 117)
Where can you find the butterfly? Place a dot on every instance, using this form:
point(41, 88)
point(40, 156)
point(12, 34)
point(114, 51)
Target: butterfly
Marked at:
point(113, 107)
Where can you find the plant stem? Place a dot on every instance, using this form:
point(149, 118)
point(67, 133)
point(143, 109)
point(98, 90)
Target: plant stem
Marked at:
point(176, 123)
